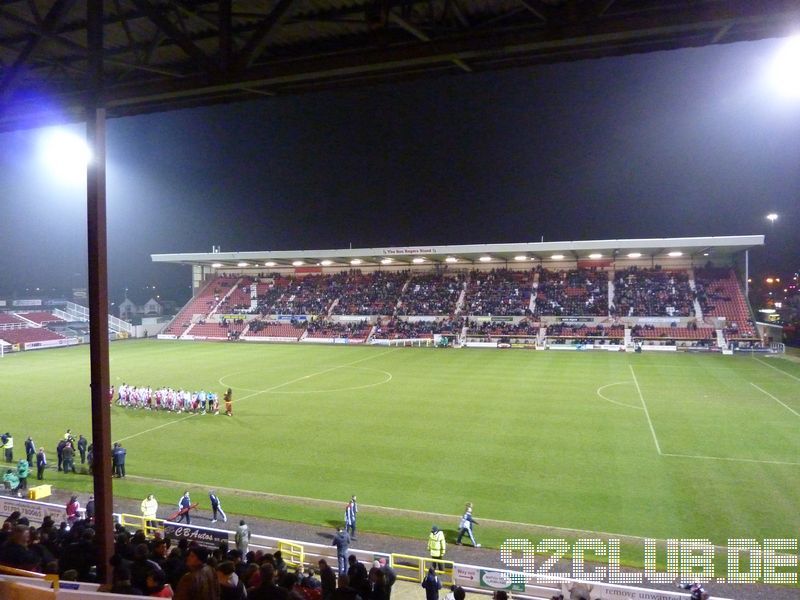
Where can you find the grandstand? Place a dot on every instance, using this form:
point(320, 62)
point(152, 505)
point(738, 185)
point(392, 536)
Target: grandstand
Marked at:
point(29, 330)
point(675, 293)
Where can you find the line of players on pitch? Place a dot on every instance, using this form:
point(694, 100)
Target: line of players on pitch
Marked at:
point(170, 399)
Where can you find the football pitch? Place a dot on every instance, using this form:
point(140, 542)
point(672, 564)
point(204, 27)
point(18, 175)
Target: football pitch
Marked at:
point(657, 445)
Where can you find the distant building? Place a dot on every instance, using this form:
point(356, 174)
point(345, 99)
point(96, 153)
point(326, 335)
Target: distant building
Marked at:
point(128, 309)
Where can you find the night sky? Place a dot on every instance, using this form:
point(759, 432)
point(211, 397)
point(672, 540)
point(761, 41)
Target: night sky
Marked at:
point(683, 143)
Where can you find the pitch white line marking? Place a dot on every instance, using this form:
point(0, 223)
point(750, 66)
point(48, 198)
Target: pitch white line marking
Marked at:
point(274, 387)
point(602, 387)
point(749, 460)
point(398, 511)
point(157, 427)
point(763, 362)
point(388, 378)
point(646, 412)
point(786, 406)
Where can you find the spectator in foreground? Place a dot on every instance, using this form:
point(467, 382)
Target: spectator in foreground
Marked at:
point(200, 583)
point(432, 585)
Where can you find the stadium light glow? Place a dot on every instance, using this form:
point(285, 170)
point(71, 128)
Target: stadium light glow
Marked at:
point(242, 264)
point(772, 217)
point(298, 263)
point(65, 155)
point(451, 259)
point(557, 257)
point(595, 255)
point(355, 261)
point(216, 265)
point(674, 254)
point(326, 263)
point(485, 259)
point(634, 255)
point(269, 264)
point(386, 261)
point(418, 261)
point(785, 70)
point(520, 258)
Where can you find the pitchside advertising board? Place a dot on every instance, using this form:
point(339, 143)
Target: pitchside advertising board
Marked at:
point(209, 538)
point(34, 511)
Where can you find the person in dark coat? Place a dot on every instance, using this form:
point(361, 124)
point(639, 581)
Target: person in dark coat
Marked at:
point(68, 458)
point(118, 454)
point(83, 443)
point(60, 452)
point(328, 579)
point(389, 575)
point(30, 451)
point(342, 542)
point(41, 463)
point(432, 585)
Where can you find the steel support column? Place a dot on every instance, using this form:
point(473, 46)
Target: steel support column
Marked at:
point(98, 294)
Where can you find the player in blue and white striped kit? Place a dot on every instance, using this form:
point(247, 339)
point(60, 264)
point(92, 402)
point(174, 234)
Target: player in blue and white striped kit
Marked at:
point(350, 514)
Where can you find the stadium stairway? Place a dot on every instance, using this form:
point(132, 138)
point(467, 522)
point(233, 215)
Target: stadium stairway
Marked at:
point(698, 310)
point(721, 342)
point(227, 295)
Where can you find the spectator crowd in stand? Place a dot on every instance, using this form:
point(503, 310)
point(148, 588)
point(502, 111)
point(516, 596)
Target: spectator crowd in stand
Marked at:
point(393, 329)
point(431, 294)
point(578, 292)
point(499, 292)
point(652, 292)
point(375, 293)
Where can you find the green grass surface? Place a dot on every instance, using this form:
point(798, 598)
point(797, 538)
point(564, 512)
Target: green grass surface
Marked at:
point(550, 438)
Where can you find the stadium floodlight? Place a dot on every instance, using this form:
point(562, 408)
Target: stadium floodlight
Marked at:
point(634, 255)
point(269, 264)
point(418, 261)
point(785, 71)
point(65, 154)
point(386, 261)
point(216, 265)
point(595, 255)
point(485, 259)
point(557, 257)
point(355, 261)
point(298, 263)
point(242, 264)
point(326, 263)
point(521, 258)
point(451, 259)
point(674, 254)
point(772, 217)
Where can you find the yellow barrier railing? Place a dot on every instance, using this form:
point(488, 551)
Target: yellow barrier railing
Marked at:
point(444, 568)
point(293, 554)
point(146, 524)
point(408, 568)
point(415, 568)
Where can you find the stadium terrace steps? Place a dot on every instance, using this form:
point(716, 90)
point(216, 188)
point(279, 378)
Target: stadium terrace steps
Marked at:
point(29, 334)
point(11, 319)
point(274, 330)
point(723, 297)
point(201, 305)
point(39, 318)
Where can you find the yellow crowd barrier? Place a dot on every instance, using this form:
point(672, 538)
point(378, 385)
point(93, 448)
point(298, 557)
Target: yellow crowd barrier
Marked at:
point(293, 554)
point(408, 568)
point(148, 525)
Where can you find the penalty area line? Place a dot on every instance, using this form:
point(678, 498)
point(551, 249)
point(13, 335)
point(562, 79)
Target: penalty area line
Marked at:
point(766, 364)
point(786, 406)
point(727, 458)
